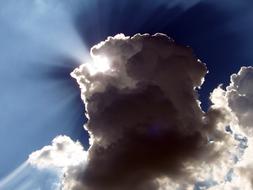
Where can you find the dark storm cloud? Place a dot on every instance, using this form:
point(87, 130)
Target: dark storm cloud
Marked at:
point(144, 116)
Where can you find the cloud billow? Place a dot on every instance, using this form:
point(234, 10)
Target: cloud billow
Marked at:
point(145, 120)
point(147, 129)
point(237, 100)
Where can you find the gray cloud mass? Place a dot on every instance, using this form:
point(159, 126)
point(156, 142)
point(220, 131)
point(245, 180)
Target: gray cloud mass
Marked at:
point(147, 129)
point(145, 120)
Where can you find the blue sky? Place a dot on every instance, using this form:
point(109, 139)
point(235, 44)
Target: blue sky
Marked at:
point(42, 41)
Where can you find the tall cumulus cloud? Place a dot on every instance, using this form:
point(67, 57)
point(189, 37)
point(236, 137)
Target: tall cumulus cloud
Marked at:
point(145, 120)
point(147, 129)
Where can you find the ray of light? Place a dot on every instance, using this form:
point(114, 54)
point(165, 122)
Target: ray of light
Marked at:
point(25, 177)
point(37, 41)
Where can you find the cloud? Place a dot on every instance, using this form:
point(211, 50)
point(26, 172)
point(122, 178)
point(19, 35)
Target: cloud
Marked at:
point(61, 154)
point(64, 156)
point(237, 101)
point(147, 129)
point(240, 98)
point(145, 120)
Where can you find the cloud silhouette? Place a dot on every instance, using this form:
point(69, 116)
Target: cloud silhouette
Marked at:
point(145, 120)
point(147, 129)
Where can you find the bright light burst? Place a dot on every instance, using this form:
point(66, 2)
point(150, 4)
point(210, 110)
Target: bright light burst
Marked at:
point(99, 64)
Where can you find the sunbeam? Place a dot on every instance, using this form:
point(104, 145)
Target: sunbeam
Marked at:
point(27, 177)
point(40, 48)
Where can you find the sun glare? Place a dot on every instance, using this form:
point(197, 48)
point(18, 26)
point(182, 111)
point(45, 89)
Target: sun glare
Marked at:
point(99, 64)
